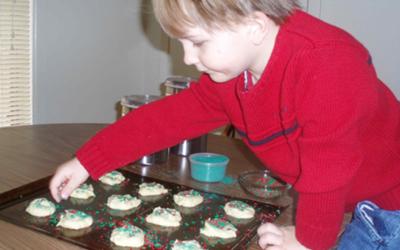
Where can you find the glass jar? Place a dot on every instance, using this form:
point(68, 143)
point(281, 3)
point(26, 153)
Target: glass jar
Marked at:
point(174, 85)
point(131, 102)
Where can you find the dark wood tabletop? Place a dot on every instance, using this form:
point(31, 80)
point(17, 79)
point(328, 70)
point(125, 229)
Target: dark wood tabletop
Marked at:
point(29, 153)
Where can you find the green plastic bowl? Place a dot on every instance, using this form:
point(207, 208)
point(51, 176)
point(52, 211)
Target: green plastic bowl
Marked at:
point(208, 167)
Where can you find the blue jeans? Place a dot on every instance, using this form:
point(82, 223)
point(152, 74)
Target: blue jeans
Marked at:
point(371, 228)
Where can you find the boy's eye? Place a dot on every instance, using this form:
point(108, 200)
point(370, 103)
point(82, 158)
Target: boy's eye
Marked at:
point(198, 44)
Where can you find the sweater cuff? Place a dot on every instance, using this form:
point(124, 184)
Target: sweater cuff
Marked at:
point(319, 217)
point(90, 156)
point(316, 238)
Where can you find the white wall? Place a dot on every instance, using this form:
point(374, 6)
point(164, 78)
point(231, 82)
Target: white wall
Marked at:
point(375, 24)
point(88, 54)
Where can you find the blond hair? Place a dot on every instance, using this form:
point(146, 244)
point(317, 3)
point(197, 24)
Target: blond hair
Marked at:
point(176, 15)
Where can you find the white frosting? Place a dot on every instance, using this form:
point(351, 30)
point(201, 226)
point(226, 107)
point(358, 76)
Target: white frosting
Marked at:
point(84, 191)
point(218, 228)
point(151, 188)
point(41, 207)
point(112, 178)
point(166, 217)
point(122, 202)
point(75, 219)
point(188, 198)
point(239, 210)
point(128, 236)
point(186, 245)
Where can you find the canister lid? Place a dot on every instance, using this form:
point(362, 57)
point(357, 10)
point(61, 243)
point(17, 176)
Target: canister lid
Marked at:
point(134, 101)
point(178, 82)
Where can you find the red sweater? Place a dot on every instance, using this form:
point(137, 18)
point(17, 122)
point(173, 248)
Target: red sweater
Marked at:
point(319, 117)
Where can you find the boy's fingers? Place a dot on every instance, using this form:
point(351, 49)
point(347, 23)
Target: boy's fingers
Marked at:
point(55, 186)
point(268, 239)
point(72, 184)
point(269, 228)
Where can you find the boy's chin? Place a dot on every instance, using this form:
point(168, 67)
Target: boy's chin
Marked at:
point(219, 78)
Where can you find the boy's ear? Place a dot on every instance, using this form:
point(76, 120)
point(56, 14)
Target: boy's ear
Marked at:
point(259, 24)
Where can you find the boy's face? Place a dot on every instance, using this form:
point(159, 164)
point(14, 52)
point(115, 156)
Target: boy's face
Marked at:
point(223, 54)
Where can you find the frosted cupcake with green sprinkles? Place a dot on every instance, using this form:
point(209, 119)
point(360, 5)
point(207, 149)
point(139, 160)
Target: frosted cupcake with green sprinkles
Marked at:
point(165, 217)
point(239, 210)
point(186, 245)
point(218, 228)
point(74, 219)
point(112, 178)
point(123, 202)
point(84, 191)
point(188, 198)
point(127, 236)
point(41, 207)
point(151, 189)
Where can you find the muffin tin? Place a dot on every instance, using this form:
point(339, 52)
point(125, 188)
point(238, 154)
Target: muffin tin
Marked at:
point(14, 202)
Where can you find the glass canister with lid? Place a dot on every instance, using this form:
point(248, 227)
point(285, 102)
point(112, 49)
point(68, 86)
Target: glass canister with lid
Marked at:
point(174, 85)
point(131, 102)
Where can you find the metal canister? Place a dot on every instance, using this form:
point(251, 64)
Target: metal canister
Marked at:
point(174, 85)
point(131, 102)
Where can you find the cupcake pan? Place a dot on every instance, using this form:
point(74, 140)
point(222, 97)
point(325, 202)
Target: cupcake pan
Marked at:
point(14, 202)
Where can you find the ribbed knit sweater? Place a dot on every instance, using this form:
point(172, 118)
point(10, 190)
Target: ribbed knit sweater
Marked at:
point(319, 117)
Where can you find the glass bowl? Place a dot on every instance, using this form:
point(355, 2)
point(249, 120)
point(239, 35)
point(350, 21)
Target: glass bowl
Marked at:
point(263, 184)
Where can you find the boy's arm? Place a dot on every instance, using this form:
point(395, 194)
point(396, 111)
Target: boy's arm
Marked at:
point(334, 102)
point(153, 127)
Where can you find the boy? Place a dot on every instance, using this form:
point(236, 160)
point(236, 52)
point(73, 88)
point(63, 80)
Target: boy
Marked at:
point(304, 96)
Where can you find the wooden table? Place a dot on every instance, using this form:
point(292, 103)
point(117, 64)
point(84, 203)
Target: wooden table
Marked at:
point(29, 153)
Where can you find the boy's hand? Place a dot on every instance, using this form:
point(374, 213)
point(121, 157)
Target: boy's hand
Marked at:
point(272, 237)
point(67, 177)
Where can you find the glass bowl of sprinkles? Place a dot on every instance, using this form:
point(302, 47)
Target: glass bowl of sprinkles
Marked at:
point(262, 184)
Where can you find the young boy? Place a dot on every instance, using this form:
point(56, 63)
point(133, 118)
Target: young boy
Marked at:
point(303, 94)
